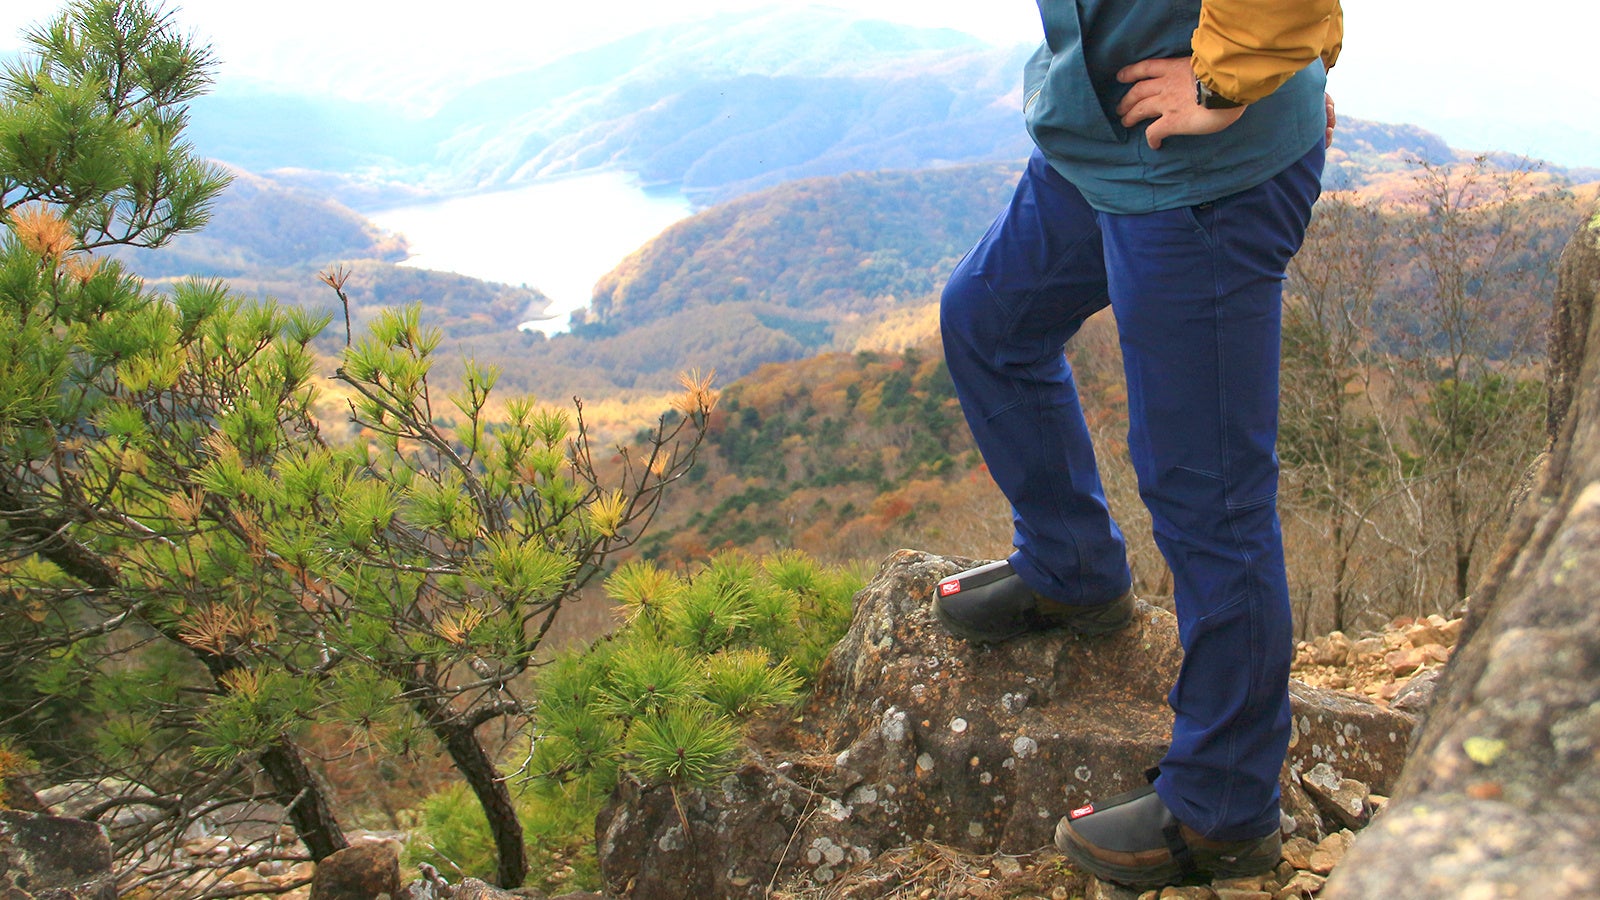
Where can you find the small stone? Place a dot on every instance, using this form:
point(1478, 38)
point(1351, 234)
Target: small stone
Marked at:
point(1193, 892)
point(1333, 650)
point(1305, 654)
point(1425, 634)
point(1330, 852)
point(1106, 890)
point(1297, 852)
point(1452, 631)
point(1403, 662)
point(1415, 695)
point(246, 880)
point(1248, 884)
point(1301, 886)
point(1009, 868)
point(1238, 894)
point(1368, 649)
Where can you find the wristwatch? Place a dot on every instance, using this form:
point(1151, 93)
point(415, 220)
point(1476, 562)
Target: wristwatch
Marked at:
point(1211, 99)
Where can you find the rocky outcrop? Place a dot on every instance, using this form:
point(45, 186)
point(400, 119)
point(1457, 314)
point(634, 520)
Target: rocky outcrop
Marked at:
point(358, 872)
point(54, 857)
point(1501, 796)
point(912, 735)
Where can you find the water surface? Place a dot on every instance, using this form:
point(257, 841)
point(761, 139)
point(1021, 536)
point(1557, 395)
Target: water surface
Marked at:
point(558, 236)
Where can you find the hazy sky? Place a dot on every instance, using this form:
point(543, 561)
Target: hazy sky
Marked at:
point(1514, 76)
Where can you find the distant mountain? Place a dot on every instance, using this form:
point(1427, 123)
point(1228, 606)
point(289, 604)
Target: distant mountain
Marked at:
point(714, 108)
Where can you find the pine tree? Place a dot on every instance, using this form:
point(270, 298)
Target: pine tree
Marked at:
point(110, 395)
point(195, 573)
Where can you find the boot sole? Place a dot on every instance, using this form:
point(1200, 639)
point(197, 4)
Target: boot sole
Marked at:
point(1088, 621)
point(1209, 865)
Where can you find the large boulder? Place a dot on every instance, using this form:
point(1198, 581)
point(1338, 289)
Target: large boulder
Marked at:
point(54, 857)
point(364, 871)
point(1501, 796)
point(913, 735)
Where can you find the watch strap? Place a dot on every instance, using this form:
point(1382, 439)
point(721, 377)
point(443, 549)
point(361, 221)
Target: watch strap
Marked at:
point(1210, 99)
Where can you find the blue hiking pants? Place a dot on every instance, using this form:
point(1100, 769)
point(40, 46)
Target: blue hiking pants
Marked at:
point(1196, 293)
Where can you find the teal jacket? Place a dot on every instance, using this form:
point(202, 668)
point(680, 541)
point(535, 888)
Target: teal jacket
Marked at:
point(1071, 95)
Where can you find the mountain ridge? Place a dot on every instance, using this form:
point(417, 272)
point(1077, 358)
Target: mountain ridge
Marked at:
point(715, 108)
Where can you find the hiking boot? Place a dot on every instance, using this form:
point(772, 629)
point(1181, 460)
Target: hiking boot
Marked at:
point(1136, 841)
point(991, 604)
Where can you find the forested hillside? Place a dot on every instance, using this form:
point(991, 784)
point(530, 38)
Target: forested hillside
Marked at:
point(260, 224)
point(1414, 336)
point(823, 264)
point(269, 239)
point(828, 249)
point(779, 275)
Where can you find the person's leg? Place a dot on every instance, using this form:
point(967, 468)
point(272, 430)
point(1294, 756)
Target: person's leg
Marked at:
point(1006, 313)
point(1197, 295)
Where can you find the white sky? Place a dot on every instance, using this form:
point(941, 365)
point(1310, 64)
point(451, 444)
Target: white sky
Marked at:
point(1485, 75)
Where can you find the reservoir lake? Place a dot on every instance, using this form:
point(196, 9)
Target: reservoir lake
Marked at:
point(559, 236)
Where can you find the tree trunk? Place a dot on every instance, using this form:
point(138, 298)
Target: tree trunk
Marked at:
point(298, 791)
point(1501, 794)
point(460, 740)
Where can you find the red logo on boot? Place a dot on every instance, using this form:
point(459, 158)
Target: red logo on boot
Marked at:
point(1080, 812)
point(946, 588)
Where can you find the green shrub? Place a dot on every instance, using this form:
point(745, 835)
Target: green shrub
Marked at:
point(454, 836)
point(557, 823)
point(662, 700)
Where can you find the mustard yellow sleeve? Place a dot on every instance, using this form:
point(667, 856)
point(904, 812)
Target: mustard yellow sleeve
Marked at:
point(1245, 49)
point(1335, 39)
